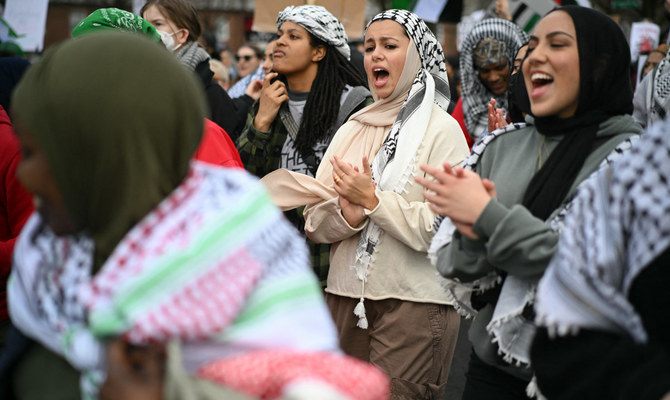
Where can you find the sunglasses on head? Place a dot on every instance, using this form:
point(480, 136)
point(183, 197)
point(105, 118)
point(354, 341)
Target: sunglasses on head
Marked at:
point(245, 58)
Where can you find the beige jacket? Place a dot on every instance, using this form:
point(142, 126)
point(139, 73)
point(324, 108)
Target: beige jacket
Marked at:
point(400, 269)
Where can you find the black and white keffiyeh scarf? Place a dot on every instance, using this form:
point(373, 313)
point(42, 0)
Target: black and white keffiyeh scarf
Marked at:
point(431, 77)
point(394, 165)
point(619, 223)
point(319, 22)
point(660, 104)
point(508, 327)
point(44, 290)
point(476, 96)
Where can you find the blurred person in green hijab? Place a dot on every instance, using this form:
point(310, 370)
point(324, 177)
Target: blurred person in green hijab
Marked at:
point(134, 246)
point(108, 123)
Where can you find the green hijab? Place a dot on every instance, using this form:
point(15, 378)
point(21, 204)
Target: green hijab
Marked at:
point(116, 19)
point(119, 118)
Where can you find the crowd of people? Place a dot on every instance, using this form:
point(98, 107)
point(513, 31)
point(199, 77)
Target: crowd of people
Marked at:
point(295, 225)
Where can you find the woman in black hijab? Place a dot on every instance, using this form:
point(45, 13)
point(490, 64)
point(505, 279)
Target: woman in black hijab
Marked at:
point(581, 98)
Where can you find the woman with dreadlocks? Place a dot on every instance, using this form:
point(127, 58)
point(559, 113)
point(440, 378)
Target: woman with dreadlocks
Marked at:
point(288, 128)
point(312, 93)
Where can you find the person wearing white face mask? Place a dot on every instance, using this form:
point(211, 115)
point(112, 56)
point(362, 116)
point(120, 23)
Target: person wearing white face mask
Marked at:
point(169, 41)
point(177, 23)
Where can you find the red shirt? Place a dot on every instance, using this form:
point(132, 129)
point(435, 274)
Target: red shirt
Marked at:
point(16, 203)
point(217, 148)
point(459, 117)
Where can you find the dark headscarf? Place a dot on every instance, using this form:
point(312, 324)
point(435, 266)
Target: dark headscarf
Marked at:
point(518, 102)
point(119, 119)
point(517, 98)
point(604, 91)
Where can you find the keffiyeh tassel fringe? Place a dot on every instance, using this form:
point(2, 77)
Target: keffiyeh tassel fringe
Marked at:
point(451, 287)
point(533, 391)
point(555, 329)
point(508, 357)
point(362, 268)
point(359, 311)
point(406, 179)
point(459, 294)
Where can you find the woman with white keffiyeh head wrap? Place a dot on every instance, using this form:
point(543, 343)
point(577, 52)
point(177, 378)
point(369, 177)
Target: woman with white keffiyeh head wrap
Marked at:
point(651, 102)
point(385, 296)
point(311, 91)
point(486, 65)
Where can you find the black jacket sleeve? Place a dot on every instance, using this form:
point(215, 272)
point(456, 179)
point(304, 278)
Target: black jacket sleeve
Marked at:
point(221, 107)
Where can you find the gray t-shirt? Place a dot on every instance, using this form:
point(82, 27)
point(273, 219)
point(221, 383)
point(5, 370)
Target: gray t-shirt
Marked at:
point(290, 157)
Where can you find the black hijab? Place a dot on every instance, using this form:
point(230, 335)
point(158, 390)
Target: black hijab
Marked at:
point(517, 98)
point(604, 91)
point(11, 71)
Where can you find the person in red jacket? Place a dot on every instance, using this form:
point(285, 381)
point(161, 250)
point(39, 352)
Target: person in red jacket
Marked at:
point(16, 205)
point(217, 148)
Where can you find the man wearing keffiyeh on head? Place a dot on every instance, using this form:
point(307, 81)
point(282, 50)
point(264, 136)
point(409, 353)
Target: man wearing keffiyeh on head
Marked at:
point(486, 65)
point(311, 92)
point(652, 96)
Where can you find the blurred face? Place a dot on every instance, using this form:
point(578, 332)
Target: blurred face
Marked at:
point(292, 53)
point(247, 62)
point(35, 175)
point(226, 58)
point(162, 23)
point(385, 51)
point(268, 59)
point(134, 372)
point(654, 58)
point(518, 59)
point(495, 77)
point(551, 69)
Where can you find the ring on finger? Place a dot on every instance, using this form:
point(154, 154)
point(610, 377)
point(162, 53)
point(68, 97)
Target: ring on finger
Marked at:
point(337, 178)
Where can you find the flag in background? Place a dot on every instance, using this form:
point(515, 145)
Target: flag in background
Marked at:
point(8, 35)
point(526, 13)
point(6, 31)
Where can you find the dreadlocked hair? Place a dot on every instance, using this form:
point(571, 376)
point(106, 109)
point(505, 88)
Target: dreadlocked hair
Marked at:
point(323, 100)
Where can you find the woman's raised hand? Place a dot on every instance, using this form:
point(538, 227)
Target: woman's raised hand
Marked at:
point(502, 10)
point(254, 89)
point(496, 118)
point(354, 186)
point(273, 94)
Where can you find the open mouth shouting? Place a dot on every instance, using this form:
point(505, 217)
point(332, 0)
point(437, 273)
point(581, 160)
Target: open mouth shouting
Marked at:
point(381, 76)
point(540, 83)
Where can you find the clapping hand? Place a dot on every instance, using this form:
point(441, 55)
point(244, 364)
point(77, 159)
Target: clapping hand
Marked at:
point(457, 193)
